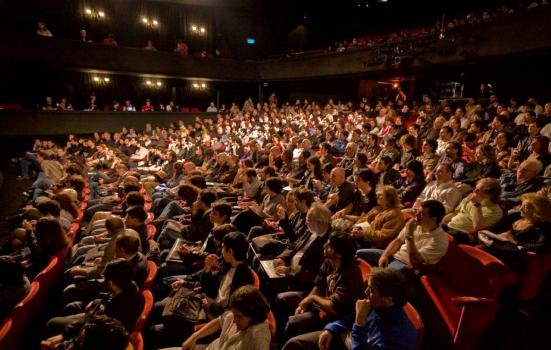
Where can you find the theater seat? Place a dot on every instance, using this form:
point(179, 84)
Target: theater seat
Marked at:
point(530, 279)
point(272, 325)
point(21, 316)
point(256, 283)
point(151, 231)
point(49, 278)
point(148, 305)
point(5, 329)
point(136, 341)
point(417, 323)
point(152, 267)
point(460, 298)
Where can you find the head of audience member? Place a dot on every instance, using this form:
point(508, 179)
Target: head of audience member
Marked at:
point(528, 170)
point(135, 217)
point(430, 214)
point(387, 197)
point(488, 190)
point(303, 156)
point(188, 193)
point(220, 213)
point(198, 180)
point(540, 145)
point(12, 274)
point(429, 146)
point(127, 244)
point(291, 200)
point(415, 171)
point(446, 133)
point(326, 171)
point(203, 202)
point(114, 225)
point(102, 332)
point(365, 181)
point(386, 287)
point(220, 231)
point(535, 207)
point(453, 150)
point(360, 161)
point(304, 199)
point(485, 154)
point(314, 166)
point(338, 176)
point(249, 307)
point(443, 173)
point(439, 122)
point(49, 208)
point(274, 186)
point(318, 219)
point(384, 164)
point(351, 150)
point(118, 275)
point(234, 248)
point(340, 249)
point(249, 175)
point(499, 122)
point(50, 236)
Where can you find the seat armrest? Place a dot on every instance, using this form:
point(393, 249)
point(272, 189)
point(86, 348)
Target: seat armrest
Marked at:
point(464, 301)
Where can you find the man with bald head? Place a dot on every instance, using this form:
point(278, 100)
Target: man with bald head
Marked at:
point(342, 192)
point(524, 180)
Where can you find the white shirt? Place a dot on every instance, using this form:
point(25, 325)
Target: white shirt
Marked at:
point(431, 245)
point(445, 193)
point(225, 286)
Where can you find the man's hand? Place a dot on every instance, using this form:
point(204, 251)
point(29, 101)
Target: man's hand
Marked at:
point(383, 261)
point(78, 271)
point(280, 212)
point(278, 262)
point(325, 340)
point(363, 308)
point(51, 342)
point(177, 283)
point(211, 263)
point(189, 344)
point(303, 304)
point(411, 225)
point(508, 236)
point(282, 270)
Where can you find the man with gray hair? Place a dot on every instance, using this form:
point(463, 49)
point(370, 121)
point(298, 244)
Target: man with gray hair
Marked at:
point(342, 191)
point(347, 163)
point(524, 180)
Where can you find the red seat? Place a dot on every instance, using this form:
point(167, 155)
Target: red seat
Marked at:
point(529, 281)
point(151, 275)
point(150, 217)
point(461, 297)
point(417, 323)
point(136, 340)
point(5, 329)
point(49, 277)
point(147, 206)
point(148, 305)
point(256, 283)
point(272, 325)
point(366, 270)
point(151, 231)
point(21, 316)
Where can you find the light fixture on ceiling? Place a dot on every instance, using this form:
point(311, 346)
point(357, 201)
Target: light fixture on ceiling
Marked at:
point(94, 13)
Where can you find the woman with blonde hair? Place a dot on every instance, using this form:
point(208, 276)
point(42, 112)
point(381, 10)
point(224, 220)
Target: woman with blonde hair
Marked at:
point(383, 222)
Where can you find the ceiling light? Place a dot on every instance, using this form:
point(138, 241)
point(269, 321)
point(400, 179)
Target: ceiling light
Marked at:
point(88, 11)
point(194, 28)
point(148, 82)
point(96, 79)
point(202, 29)
point(101, 14)
point(155, 22)
point(195, 85)
point(106, 79)
point(203, 85)
point(159, 83)
point(145, 20)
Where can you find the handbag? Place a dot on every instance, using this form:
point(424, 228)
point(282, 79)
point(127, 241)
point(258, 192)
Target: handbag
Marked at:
point(185, 304)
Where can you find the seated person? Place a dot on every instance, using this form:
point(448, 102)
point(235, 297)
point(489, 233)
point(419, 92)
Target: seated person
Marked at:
point(413, 183)
point(530, 233)
point(381, 223)
point(524, 180)
point(422, 241)
point(242, 327)
point(385, 173)
point(300, 261)
point(217, 281)
point(335, 293)
point(198, 227)
point(379, 322)
point(442, 189)
point(341, 194)
point(478, 211)
point(15, 285)
point(273, 188)
point(186, 195)
point(100, 332)
point(347, 163)
point(124, 303)
point(50, 239)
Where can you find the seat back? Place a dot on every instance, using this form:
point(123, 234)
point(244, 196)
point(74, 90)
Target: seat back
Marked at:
point(256, 279)
point(5, 329)
point(49, 277)
point(22, 315)
point(148, 305)
point(365, 268)
point(151, 231)
point(272, 325)
point(152, 267)
point(417, 323)
point(136, 340)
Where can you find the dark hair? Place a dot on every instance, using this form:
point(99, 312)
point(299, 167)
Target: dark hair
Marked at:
point(416, 167)
point(129, 244)
point(134, 198)
point(388, 283)
point(492, 188)
point(315, 161)
point(327, 146)
point(269, 171)
point(223, 209)
point(131, 187)
point(387, 160)
point(251, 172)
point(470, 137)
point(250, 301)
point(222, 230)
point(11, 272)
point(274, 184)
point(432, 144)
point(458, 147)
point(362, 158)
point(306, 195)
point(119, 272)
point(237, 242)
point(366, 175)
point(344, 245)
point(198, 181)
point(448, 129)
point(189, 193)
point(207, 197)
point(103, 332)
point(49, 207)
point(137, 213)
point(327, 167)
point(50, 236)
point(436, 210)
point(66, 203)
point(409, 140)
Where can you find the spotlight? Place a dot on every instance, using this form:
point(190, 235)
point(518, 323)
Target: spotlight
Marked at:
point(194, 28)
point(101, 14)
point(148, 82)
point(145, 20)
point(195, 85)
point(88, 11)
point(202, 29)
point(159, 83)
point(106, 79)
point(203, 85)
point(96, 79)
point(155, 23)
